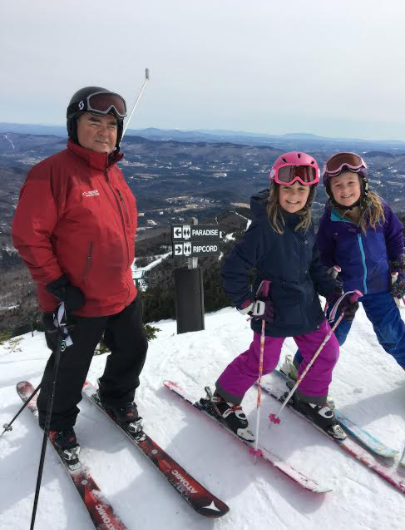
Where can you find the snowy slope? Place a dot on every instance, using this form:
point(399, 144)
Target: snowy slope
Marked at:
point(368, 386)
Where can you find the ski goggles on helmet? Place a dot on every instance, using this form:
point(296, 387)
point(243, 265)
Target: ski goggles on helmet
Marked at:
point(286, 175)
point(339, 161)
point(103, 103)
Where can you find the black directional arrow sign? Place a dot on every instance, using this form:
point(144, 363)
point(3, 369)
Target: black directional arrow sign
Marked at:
point(196, 249)
point(178, 249)
point(195, 233)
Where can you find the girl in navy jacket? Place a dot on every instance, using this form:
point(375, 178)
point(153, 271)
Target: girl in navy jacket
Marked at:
point(280, 245)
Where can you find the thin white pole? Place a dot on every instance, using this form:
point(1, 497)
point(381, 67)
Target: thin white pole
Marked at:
point(136, 102)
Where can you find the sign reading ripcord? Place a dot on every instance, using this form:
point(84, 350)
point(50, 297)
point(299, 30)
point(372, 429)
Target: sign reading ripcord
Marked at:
point(193, 249)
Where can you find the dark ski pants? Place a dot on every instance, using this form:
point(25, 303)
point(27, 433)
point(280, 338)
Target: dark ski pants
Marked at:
point(124, 335)
point(383, 313)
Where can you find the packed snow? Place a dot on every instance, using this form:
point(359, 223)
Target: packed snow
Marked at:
point(368, 386)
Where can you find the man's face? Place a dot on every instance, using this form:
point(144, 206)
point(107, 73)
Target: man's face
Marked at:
point(97, 133)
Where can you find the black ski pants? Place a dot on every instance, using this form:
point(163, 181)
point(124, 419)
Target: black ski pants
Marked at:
point(124, 335)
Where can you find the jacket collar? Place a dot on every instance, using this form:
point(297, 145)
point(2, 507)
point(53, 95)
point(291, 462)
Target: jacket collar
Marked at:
point(335, 215)
point(291, 219)
point(93, 159)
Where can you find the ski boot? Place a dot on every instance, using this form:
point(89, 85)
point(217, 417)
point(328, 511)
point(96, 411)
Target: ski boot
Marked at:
point(66, 444)
point(127, 416)
point(321, 415)
point(289, 369)
point(232, 416)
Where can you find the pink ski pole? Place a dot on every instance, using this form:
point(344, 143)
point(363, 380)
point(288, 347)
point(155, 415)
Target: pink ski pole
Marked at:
point(275, 418)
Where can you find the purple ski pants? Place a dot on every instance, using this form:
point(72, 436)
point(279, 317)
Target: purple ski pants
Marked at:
point(243, 371)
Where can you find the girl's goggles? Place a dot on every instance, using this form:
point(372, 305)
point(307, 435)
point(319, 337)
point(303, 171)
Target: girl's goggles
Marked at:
point(337, 162)
point(104, 103)
point(288, 174)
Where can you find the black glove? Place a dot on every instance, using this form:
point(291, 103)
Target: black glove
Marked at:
point(64, 291)
point(346, 306)
point(398, 268)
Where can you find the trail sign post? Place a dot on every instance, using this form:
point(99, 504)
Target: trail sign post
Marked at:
point(192, 241)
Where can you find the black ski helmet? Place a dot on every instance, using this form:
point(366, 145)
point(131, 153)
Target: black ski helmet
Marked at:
point(79, 104)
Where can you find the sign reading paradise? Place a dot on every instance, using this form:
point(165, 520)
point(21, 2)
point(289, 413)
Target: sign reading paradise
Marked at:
point(196, 240)
point(195, 232)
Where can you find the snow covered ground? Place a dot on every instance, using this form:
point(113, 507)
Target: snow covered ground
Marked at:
point(368, 387)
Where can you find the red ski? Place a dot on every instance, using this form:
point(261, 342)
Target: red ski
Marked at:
point(194, 493)
point(100, 510)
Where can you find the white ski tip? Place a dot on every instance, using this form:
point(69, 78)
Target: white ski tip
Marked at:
point(212, 507)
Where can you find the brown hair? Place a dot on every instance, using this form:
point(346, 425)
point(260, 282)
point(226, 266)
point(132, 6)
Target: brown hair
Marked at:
point(373, 213)
point(274, 212)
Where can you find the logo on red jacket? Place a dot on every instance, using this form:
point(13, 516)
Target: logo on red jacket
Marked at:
point(91, 193)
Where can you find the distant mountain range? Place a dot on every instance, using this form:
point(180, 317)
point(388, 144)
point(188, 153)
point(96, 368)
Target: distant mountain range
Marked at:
point(179, 174)
point(289, 140)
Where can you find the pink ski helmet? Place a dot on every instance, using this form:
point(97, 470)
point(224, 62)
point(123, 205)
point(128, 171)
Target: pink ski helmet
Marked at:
point(295, 167)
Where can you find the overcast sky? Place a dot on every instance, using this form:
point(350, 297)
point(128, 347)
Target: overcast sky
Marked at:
point(328, 67)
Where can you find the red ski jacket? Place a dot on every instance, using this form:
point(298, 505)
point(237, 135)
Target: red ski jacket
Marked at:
point(77, 216)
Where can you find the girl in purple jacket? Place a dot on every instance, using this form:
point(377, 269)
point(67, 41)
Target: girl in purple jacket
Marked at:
point(359, 232)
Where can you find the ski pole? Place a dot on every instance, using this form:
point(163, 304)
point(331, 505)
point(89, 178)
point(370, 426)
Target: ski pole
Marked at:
point(136, 102)
point(264, 291)
point(333, 271)
point(8, 426)
point(259, 388)
point(63, 341)
point(275, 418)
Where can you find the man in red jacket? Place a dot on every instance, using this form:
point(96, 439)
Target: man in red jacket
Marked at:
point(74, 227)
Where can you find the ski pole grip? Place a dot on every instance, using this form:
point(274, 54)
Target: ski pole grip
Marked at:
point(355, 296)
point(264, 289)
point(335, 271)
